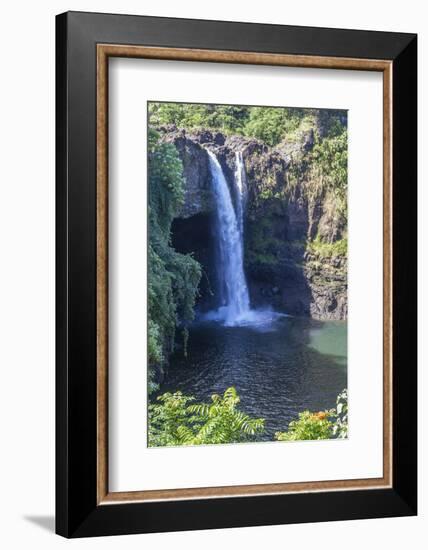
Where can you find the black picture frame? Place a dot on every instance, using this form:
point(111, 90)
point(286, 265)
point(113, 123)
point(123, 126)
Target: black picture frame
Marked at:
point(77, 512)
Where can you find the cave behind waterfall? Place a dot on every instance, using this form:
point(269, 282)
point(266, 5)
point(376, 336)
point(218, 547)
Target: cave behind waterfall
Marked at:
point(196, 235)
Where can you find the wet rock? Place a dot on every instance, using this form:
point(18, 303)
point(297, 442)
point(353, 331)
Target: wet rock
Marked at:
point(283, 212)
point(198, 196)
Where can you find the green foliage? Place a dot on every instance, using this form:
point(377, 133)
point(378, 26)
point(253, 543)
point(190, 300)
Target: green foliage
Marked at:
point(323, 169)
point(309, 426)
point(166, 419)
point(271, 125)
point(165, 181)
point(340, 428)
point(173, 278)
point(327, 250)
point(330, 424)
point(225, 118)
point(176, 420)
point(261, 246)
point(153, 339)
point(330, 163)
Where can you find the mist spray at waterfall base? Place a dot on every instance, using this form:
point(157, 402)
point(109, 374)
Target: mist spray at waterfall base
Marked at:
point(234, 308)
point(260, 319)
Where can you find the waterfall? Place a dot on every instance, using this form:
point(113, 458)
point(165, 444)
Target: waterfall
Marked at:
point(241, 187)
point(235, 301)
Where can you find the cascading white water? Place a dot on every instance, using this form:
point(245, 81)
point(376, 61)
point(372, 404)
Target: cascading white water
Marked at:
point(241, 187)
point(234, 291)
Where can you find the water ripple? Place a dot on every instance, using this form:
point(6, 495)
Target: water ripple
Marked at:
point(279, 369)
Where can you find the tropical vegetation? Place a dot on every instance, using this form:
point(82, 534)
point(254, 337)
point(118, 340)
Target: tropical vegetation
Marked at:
point(317, 170)
point(175, 419)
point(173, 277)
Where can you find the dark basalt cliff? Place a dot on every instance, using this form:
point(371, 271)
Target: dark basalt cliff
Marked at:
point(295, 234)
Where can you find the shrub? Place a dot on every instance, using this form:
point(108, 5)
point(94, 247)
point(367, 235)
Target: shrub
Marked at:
point(328, 250)
point(176, 420)
point(309, 426)
point(330, 424)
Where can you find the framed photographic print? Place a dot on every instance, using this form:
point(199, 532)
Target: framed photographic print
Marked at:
point(236, 274)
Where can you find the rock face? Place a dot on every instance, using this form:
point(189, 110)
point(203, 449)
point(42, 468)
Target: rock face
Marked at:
point(307, 288)
point(293, 227)
point(198, 197)
point(327, 282)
